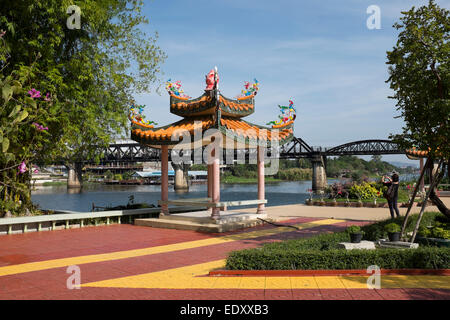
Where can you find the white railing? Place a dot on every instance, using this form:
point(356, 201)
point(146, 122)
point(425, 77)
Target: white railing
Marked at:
point(53, 221)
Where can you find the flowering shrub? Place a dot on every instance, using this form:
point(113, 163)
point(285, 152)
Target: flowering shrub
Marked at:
point(23, 114)
point(364, 191)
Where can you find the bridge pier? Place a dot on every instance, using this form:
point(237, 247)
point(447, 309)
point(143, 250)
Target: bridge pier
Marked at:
point(319, 178)
point(74, 176)
point(181, 175)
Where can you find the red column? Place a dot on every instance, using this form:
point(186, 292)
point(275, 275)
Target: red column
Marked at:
point(164, 178)
point(210, 181)
point(261, 191)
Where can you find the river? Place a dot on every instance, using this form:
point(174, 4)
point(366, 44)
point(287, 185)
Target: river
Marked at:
point(59, 198)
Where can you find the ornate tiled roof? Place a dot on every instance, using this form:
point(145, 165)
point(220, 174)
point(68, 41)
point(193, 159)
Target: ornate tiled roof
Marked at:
point(417, 153)
point(212, 110)
point(206, 104)
point(232, 128)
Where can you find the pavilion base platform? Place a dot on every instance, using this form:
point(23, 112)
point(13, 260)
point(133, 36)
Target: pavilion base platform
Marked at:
point(201, 221)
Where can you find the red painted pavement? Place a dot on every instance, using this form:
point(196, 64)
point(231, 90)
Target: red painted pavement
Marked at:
point(51, 283)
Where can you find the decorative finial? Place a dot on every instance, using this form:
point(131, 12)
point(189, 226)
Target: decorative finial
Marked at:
point(287, 115)
point(212, 79)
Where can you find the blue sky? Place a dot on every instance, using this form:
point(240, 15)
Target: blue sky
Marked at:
point(320, 54)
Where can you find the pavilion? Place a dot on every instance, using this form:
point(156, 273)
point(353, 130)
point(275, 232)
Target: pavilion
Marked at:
point(219, 122)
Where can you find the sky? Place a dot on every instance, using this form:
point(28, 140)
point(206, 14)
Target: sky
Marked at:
point(320, 54)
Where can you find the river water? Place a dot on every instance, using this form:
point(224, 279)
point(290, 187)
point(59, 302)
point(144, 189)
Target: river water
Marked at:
point(59, 198)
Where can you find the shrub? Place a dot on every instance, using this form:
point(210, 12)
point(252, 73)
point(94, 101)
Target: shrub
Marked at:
point(323, 251)
point(376, 231)
point(354, 229)
point(365, 191)
point(260, 259)
point(441, 233)
point(392, 227)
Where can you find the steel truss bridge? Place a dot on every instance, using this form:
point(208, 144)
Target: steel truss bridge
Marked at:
point(296, 148)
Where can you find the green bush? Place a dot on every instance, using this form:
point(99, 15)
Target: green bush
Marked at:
point(294, 174)
point(325, 241)
point(365, 191)
point(441, 233)
point(377, 231)
point(260, 259)
point(392, 227)
point(323, 251)
point(354, 229)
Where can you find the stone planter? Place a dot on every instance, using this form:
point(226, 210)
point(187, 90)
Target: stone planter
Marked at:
point(355, 237)
point(358, 204)
point(394, 236)
point(308, 202)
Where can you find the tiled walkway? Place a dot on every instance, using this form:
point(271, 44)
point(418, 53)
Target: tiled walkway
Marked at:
point(130, 262)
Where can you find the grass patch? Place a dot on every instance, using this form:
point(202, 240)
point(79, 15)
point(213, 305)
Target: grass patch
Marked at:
point(54, 183)
point(245, 180)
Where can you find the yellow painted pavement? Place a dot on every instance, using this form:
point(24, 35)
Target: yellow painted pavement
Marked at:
point(193, 277)
point(64, 262)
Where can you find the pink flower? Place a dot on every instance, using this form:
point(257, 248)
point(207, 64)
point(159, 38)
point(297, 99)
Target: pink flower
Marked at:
point(47, 97)
point(39, 127)
point(22, 167)
point(34, 93)
point(2, 33)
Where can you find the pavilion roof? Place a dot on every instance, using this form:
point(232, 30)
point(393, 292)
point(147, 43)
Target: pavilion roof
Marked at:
point(212, 110)
point(238, 130)
point(206, 104)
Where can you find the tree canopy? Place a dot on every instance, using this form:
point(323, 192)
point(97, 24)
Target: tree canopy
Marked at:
point(419, 73)
point(75, 84)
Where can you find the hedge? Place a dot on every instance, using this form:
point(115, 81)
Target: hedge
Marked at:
point(323, 252)
point(279, 259)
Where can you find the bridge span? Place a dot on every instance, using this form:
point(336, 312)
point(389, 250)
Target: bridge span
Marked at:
point(295, 149)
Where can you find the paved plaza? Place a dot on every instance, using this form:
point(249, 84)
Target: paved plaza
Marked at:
point(133, 262)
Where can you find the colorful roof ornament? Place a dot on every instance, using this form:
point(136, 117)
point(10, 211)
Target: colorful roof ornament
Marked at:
point(136, 116)
point(174, 89)
point(251, 89)
point(212, 110)
point(287, 116)
point(212, 79)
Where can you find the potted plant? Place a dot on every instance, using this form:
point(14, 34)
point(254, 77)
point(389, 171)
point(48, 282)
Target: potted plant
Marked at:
point(393, 231)
point(355, 234)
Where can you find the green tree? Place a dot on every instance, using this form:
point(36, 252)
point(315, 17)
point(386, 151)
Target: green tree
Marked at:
point(91, 73)
point(419, 74)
